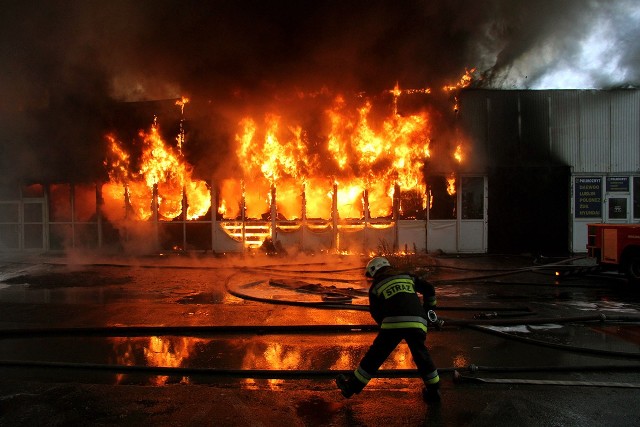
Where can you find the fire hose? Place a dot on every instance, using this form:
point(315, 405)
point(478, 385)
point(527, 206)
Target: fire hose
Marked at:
point(343, 303)
point(325, 329)
point(475, 324)
point(458, 378)
point(133, 331)
point(487, 319)
point(319, 373)
point(308, 374)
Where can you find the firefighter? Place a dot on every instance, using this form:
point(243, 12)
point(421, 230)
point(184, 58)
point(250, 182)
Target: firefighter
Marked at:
point(396, 308)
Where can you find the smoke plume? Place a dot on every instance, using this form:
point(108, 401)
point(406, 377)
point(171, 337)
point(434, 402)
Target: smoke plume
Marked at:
point(67, 64)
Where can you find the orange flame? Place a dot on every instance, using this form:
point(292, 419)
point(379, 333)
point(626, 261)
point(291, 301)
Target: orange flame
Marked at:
point(458, 153)
point(363, 151)
point(160, 165)
point(465, 81)
point(451, 184)
point(182, 102)
point(357, 153)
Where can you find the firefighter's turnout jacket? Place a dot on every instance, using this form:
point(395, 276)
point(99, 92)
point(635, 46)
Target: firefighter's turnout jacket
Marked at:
point(393, 301)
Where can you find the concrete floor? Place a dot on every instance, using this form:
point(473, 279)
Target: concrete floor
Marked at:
point(600, 359)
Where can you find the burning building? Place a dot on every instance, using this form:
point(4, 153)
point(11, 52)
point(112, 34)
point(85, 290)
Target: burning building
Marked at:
point(294, 136)
point(374, 182)
point(350, 180)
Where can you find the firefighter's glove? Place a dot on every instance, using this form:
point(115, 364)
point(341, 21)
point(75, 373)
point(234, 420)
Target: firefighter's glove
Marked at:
point(433, 320)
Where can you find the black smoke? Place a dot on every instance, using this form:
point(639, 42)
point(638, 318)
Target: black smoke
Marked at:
point(67, 65)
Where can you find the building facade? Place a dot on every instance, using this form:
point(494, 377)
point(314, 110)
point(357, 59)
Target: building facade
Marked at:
point(540, 166)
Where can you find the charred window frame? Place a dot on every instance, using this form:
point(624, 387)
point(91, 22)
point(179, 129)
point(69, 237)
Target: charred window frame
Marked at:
point(412, 205)
point(472, 195)
point(442, 205)
point(9, 225)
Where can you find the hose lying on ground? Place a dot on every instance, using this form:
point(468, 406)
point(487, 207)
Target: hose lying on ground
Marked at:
point(595, 351)
point(132, 331)
point(461, 378)
point(146, 331)
point(269, 373)
point(343, 303)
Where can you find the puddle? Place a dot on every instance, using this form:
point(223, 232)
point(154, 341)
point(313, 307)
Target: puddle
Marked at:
point(618, 307)
point(283, 352)
point(202, 298)
point(524, 328)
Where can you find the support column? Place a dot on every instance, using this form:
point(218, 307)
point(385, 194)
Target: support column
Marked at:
point(185, 208)
point(303, 217)
point(72, 199)
point(127, 212)
point(155, 218)
point(334, 217)
point(244, 219)
point(274, 214)
point(426, 222)
point(367, 217)
point(99, 204)
point(396, 216)
point(46, 224)
point(214, 216)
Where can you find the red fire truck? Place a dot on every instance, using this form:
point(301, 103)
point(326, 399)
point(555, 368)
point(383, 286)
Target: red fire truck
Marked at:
point(616, 246)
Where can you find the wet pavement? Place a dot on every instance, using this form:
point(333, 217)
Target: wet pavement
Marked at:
point(257, 340)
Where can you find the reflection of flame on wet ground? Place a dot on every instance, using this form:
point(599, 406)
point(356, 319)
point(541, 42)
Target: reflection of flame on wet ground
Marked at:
point(286, 353)
point(346, 356)
point(155, 351)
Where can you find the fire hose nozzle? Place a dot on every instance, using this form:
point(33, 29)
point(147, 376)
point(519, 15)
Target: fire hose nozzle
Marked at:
point(432, 317)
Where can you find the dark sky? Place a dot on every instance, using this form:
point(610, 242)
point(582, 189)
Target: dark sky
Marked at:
point(65, 63)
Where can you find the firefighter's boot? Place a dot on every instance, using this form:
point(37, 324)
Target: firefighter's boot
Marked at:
point(348, 385)
point(431, 394)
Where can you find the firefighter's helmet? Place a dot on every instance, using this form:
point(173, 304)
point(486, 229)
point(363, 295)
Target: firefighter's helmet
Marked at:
point(376, 264)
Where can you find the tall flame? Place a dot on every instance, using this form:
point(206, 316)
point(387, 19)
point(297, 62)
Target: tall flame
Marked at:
point(451, 184)
point(160, 166)
point(357, 153)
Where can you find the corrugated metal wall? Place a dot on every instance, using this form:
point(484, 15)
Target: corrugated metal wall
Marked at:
point(625, 130)
point(564, 123)
point(592, 131)
point(594, 144)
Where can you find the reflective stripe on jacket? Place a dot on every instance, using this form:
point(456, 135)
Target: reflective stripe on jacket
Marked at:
point(394, 322)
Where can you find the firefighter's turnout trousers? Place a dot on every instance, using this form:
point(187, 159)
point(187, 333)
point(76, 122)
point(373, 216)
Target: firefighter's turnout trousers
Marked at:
point(386, 341)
